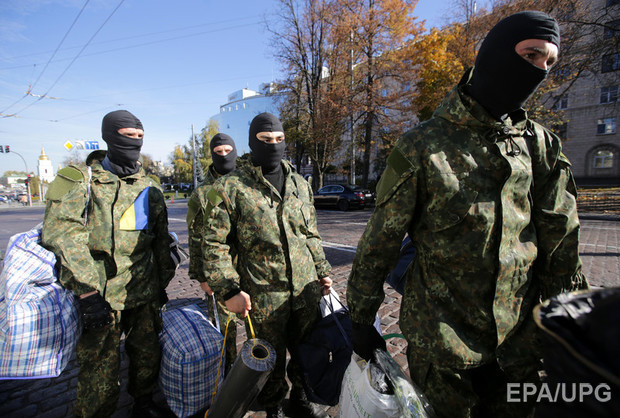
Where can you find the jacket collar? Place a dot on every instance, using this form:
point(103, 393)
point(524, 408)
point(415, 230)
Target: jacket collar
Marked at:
point(94, 160)
point(460, 108)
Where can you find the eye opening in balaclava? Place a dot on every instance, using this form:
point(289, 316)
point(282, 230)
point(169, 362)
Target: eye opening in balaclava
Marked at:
point(502, 80)
point(123, 151)
point(223, 164)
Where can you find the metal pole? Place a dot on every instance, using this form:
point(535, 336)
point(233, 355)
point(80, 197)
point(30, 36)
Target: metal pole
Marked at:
point(351, 117)
point(194, 158)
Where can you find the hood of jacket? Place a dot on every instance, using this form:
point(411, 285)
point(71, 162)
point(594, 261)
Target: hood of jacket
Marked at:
point(461, 109)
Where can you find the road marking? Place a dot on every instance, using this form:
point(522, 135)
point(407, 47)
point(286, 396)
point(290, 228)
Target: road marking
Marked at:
point(341, 247)
point(608, 247)
point(176, 219)
point(345, 222)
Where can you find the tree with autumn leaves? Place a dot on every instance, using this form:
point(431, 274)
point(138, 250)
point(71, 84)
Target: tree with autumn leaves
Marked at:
point(366, 69)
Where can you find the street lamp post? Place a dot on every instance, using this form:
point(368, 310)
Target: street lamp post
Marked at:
point(28, 184)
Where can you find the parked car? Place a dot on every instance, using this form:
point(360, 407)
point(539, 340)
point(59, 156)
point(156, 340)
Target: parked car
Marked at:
point(342, 196)
point(3, 198)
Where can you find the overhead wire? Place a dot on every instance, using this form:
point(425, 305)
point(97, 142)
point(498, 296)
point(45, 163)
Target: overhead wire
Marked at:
point(184, 28)
point(59, 45)
point(31, 86)
point(144, 43)
point(71, 63)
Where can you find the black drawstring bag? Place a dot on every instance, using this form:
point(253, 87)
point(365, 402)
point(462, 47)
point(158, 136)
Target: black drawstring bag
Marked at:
point(325, 355)
point(581, 339)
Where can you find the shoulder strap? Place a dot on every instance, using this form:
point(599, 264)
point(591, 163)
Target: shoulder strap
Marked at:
point(90, 176)
point(213, 200)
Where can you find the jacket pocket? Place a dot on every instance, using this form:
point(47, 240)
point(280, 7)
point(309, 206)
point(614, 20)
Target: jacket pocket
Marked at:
point(452, 212)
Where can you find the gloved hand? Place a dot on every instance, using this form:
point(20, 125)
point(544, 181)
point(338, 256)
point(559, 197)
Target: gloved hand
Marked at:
point(95, 311)
point(365, 340)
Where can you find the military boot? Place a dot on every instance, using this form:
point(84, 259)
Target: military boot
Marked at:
point(300, 407)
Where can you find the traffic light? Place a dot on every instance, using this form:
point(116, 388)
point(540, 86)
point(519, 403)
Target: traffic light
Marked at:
point(1, 148)
point(7, 149)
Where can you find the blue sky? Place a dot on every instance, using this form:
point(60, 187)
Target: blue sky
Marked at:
point(170, 63)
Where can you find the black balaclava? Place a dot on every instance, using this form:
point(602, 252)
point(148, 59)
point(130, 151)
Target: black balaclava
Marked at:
point(223, 164)
point(123, 151)
point(502, 80)
point(268, 156)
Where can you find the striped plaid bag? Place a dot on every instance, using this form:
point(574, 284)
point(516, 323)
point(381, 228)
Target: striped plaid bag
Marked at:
point(191, 348)
point(39, 324)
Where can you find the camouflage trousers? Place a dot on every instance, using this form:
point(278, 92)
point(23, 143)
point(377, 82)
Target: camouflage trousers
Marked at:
point(99, 357)
point(283, 329)
point(478, 392)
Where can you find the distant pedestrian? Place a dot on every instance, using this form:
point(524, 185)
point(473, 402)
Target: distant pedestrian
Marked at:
point(108, 226)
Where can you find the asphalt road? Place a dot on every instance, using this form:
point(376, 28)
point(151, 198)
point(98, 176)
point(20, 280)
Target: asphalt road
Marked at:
point(341, 231)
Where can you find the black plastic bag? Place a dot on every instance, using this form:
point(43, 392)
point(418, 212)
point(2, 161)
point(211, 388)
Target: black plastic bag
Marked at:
point(581, 338)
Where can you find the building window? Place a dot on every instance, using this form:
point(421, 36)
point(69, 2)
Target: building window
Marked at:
point(612, 29)
point(611, 62)
point(237, 106)
point(603, 159)
point(561, 130)
point(561, 103)
point(562, 72)
point(606, 126)
point(609, 94)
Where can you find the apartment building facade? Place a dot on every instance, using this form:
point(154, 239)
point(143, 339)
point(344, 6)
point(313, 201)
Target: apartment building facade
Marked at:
point(591, 109)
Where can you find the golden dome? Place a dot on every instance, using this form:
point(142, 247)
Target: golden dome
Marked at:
point(43, 156)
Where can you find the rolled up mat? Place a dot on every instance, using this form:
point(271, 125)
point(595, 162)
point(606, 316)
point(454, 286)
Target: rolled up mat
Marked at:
point(245, 380)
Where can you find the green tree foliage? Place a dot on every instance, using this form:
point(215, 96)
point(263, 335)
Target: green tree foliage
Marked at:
point(182, 164)
point(182, 156)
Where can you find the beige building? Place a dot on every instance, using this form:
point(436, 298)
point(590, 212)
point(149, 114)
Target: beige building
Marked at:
point(591, 107)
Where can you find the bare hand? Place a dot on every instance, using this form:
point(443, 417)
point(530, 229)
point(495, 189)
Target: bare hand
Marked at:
point(326, 285)
point(239, 304)
point(205, 286)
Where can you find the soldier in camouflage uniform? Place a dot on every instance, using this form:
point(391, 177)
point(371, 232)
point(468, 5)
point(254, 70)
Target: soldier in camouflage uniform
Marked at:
point(108, 226)
point(489, 201)
point(265, 209)
point(224, 156)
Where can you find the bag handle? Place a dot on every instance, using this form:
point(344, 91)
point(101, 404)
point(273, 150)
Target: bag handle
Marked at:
point(336, 320)
point(219, 366)
point(215, 313)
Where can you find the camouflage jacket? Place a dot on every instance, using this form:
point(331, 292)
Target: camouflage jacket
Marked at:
point(196, 206)
point(491, 209)
point(123, 250)
point(278, 244)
